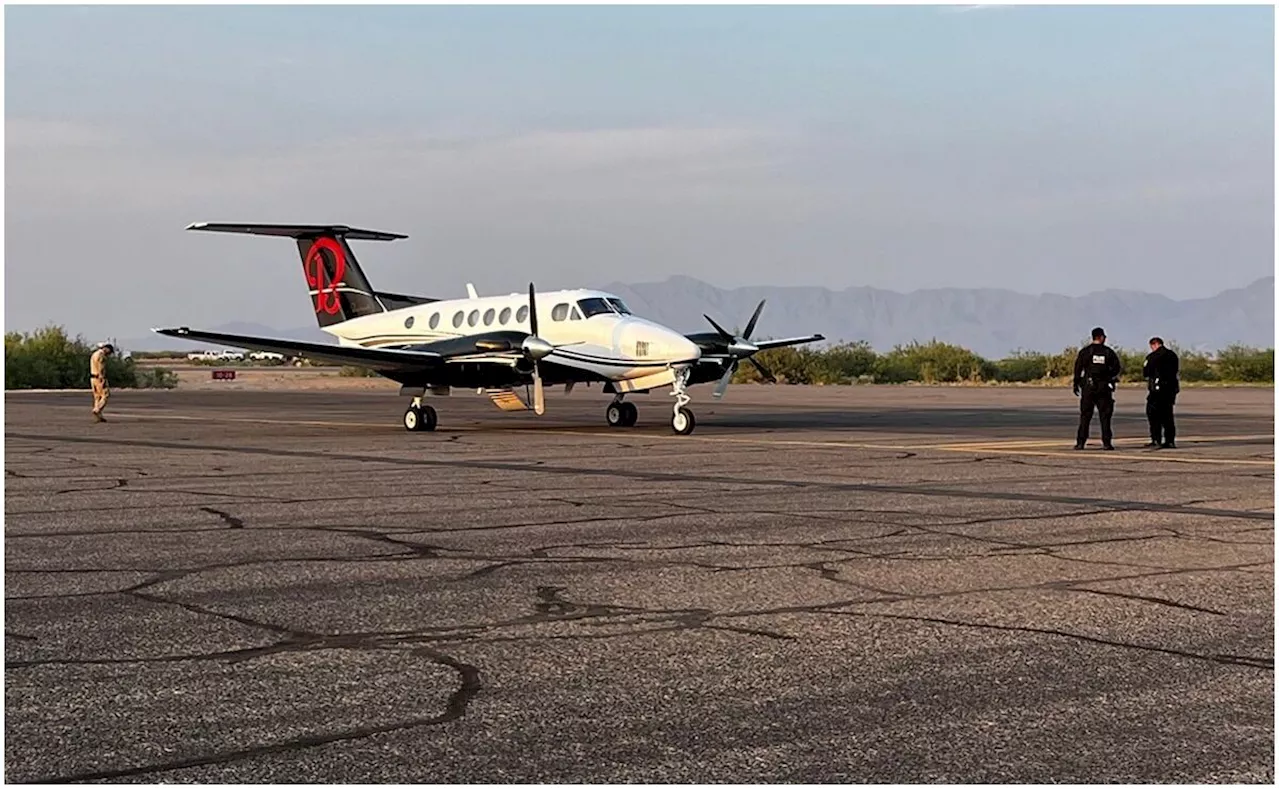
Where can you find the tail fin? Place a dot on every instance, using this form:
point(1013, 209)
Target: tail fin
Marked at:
point(339, 289)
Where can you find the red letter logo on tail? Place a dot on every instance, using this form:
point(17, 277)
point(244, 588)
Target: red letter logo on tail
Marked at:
point(326, 292)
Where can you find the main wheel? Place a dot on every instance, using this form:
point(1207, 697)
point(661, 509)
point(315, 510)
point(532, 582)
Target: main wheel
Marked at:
point(616, 414)
point(683, 422)
point(420, 418)
point(630, 414)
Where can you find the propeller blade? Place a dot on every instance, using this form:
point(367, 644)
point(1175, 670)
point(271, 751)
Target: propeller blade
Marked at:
point(751, 324)
point(764, 371)
point(724, 381)
point(533, 313)
point(539, 404)
point(729, 337)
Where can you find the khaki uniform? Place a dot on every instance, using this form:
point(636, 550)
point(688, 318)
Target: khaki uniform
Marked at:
point(98, 379)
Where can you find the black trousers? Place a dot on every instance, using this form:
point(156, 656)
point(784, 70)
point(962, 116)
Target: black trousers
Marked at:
point(1106, 405)
point(1160, 417)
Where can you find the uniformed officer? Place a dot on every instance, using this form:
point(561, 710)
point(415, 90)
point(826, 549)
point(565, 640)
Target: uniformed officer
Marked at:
point(1094, 382)
point(98, 378)
point(1161, 371)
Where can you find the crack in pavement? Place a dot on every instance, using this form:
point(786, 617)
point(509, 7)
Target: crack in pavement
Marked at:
point(231, 520)
point(455, 708)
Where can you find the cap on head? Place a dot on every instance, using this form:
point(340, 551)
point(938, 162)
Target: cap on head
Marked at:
point(1155, 341)
point(1098, 333)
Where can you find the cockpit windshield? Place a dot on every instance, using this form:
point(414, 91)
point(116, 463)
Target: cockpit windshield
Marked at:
point(594, 306)
point(619, 306)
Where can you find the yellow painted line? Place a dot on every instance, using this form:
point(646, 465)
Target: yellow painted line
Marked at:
point(1033, 443)
point(183, 418)
point(1158, 456)
point(1163, 456)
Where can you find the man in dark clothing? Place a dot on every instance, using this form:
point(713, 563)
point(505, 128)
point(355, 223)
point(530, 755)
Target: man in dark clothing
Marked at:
point(1094, 382)
point(1161, 371)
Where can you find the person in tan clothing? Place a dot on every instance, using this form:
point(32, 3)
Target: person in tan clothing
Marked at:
point(98, 379)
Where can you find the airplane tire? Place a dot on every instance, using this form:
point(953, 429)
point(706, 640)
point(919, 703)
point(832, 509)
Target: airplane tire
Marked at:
point(683, 422)
point(616, 415)
point(630, 414)
point(418, 419)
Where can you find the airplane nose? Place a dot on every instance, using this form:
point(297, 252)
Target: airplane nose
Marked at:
point(683, 348)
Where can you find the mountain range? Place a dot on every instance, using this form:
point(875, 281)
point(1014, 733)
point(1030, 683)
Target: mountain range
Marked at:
point(992, 322)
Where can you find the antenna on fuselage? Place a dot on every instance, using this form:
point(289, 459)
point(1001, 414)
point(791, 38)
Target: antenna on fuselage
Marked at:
point(471, 291)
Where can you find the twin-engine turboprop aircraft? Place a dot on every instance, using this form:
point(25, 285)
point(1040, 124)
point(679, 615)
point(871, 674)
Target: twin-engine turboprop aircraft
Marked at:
point(496, 343)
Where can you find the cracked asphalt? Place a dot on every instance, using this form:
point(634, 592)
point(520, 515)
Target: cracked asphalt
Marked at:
point(889, 585)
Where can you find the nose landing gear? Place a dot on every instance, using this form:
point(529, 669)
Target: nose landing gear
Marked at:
point(682, 420)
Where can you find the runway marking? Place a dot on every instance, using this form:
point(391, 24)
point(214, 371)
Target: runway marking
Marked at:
point(1160, 456)
point(1032, 443)
point(1008, 447)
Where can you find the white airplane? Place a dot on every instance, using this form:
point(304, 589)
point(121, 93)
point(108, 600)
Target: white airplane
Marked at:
point(493, 344)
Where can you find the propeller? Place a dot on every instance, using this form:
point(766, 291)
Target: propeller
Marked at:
point(534, 348)
point(740, 348)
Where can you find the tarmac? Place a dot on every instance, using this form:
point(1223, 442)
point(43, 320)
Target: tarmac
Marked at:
point(842, 584)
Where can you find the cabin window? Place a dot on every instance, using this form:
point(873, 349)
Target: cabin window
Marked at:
point(457, 320)
point(504, 316)
point(574, 314)
point(408, 322)
point(435, 320)
point(473, 318)
point(488, 317)
point(560, 312)
point(522, 315)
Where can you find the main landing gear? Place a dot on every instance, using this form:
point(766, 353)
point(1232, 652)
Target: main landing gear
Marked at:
point(419, 417)
point(621, 414)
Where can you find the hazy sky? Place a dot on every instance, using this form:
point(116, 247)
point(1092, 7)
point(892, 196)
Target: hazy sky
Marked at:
point(1038, 149)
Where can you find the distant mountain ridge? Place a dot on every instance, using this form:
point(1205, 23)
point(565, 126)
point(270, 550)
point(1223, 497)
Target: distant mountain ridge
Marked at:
point(989, 321)
point(992, 322)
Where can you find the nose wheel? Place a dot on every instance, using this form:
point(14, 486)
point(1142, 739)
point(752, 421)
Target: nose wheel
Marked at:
point(682, 422)
point(419, 417)
point(621, 414)
point(681, 418)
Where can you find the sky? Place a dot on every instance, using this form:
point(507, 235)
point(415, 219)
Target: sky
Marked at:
point(1039, 149)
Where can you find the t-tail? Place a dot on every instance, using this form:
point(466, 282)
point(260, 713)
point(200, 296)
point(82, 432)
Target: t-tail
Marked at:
point(339, 289)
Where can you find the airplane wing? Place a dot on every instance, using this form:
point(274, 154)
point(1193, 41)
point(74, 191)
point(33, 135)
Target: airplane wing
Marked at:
point(375, 358)
point(765, 345)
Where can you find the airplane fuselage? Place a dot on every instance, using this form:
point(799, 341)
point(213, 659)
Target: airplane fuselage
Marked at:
point(602, 337)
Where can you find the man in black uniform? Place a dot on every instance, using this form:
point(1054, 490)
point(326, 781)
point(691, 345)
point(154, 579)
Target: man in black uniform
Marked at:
point(1094, 382)
point(1161, 371)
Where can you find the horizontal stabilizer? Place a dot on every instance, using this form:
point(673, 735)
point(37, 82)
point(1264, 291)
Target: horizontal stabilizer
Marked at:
point(373, 358)
point(296, 231)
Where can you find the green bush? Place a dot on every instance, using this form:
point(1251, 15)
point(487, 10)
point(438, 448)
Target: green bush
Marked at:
point(1251, 365)
point(49, 359)
point(1024, 366)
point(934, 362)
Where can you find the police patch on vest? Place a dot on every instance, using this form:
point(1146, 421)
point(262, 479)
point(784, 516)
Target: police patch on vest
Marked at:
point(1099, 359)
